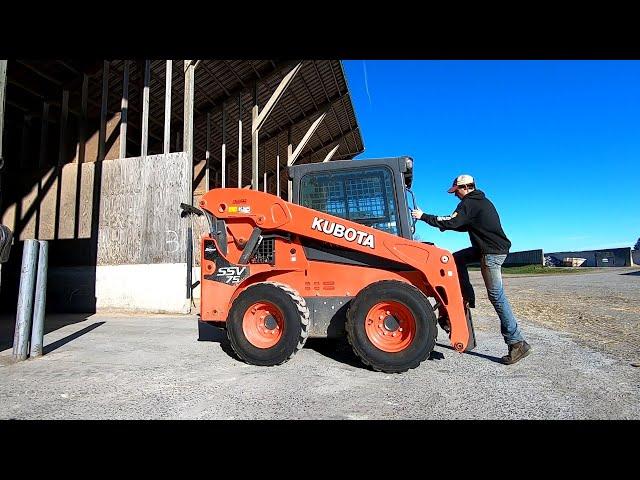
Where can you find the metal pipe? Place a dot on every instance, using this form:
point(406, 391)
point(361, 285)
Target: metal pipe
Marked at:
point(37, 331)
point(25, 300)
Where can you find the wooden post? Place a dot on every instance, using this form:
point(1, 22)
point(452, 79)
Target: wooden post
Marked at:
point(3, 86)
point(207, 154)
point(82, 140)
point(189, 83)
point(103, 111)
point(63, 128)
point(187, 139)
point(44, 135)
point(223, 167)
point(278, 166)
point(124, 110)
point(239, 141)
point(264, 171)
point(167, 106)
point(254, 140)
point(145, 110)
point(289, 183)
point(24, 150)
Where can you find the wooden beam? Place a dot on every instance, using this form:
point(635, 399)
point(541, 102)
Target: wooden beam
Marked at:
point(331, 153)
point(207, 153)
point(189, 77)
point(3, 87)
point(282, 87)
point(241, 88)
point(82, 133)
point(239, 140)
point(44, 135)
point(64, 115)
point(145, 109)
point(291, 160)
point(254, 148)
point(124, 111)
point(103, 111)
point(167, 106)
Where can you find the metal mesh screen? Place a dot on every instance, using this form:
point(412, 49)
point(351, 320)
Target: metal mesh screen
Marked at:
point(265, 253)
point(364, 196)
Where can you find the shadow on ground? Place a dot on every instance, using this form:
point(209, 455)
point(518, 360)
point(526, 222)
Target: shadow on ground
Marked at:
point(636, 273)
point(52, 323)
point(337, 349)
point(474, 354)
point(69, 338)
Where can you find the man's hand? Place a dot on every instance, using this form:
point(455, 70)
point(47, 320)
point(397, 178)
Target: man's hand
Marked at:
point(417, 213)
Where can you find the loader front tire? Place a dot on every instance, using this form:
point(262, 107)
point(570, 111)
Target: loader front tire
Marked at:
point(391, 326)
point(267, 324)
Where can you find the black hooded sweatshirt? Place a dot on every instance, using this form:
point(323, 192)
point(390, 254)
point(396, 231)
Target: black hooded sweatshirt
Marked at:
point(475, 214)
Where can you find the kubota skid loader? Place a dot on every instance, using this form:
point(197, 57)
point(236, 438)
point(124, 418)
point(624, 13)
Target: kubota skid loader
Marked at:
point(337, 260)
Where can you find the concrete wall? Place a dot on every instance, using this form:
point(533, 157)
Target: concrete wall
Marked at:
point(154, 288)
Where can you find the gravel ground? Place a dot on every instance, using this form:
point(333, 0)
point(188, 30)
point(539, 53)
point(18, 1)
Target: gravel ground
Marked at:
point(600, 309)
point(154, 367)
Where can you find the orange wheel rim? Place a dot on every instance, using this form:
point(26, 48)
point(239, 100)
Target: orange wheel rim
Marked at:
point(263, 324)
point(390, 326)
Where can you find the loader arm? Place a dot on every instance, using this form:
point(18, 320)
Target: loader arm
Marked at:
point(270, 213)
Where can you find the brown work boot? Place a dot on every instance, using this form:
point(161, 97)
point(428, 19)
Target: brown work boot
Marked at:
point(517, 351)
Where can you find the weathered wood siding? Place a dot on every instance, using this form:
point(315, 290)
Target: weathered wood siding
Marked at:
point(139, 217)
point(140, 210)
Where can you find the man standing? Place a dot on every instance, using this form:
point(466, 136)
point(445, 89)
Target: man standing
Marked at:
point(489, 246)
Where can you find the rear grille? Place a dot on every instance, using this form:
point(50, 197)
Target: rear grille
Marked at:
point(265, 253)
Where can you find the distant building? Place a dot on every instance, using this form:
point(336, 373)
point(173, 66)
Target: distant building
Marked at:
point(612, 257)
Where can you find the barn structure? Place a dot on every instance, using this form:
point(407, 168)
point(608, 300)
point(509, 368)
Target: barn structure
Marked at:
point(98, 155)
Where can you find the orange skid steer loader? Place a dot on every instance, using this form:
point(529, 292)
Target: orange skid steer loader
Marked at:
point(339, 259)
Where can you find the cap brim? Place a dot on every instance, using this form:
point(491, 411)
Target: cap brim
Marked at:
point(452, 189)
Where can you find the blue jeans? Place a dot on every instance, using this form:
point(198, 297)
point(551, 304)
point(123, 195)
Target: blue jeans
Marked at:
point(491, 267)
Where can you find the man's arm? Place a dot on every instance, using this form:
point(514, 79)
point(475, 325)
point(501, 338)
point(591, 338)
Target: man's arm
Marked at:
point(458, 220)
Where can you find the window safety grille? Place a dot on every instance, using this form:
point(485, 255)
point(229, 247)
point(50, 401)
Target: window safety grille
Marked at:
point(265, 253)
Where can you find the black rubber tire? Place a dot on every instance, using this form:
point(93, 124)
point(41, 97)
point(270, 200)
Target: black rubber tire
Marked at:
point(422, 311)
point(295, 331)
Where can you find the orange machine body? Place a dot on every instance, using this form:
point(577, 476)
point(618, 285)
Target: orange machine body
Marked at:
point(223, 278)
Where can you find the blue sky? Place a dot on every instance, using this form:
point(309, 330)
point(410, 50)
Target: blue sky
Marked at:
point(554, 144)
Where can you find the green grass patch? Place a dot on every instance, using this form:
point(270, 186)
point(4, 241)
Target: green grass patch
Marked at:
point(538, 270)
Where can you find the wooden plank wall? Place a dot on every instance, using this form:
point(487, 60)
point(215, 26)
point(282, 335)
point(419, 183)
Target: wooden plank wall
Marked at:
point(139, 218)
point(140, 210)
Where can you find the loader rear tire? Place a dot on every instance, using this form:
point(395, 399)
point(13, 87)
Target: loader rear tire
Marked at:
point(267, 324)
point(391, 326)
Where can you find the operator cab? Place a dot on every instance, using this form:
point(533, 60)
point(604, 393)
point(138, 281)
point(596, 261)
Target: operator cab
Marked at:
point(371, 192)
